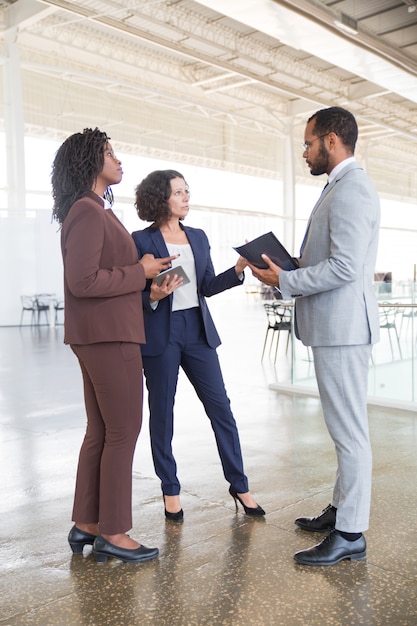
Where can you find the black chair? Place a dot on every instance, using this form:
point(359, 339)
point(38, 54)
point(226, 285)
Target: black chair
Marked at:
point(43, 301)
point(279, 319)
point(36, 306)
point(58, 306)
point(29, 304)
point(409, 314)
point(388, 321)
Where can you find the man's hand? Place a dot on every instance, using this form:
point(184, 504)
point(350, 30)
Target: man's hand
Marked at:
point(270, 276)
point(153, 266)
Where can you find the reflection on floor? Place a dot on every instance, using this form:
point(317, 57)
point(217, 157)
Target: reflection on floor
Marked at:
point(218, 567)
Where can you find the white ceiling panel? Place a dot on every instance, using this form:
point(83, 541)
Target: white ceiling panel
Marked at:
point(219, 83)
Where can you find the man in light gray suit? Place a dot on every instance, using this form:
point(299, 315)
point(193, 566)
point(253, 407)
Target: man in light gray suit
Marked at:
point(336, 313)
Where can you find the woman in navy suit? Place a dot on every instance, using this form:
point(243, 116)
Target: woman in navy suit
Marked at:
point(180, 333)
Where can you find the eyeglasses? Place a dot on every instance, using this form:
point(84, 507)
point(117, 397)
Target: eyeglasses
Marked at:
point(306, 145)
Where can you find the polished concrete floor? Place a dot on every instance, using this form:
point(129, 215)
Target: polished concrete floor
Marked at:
point(218, 568)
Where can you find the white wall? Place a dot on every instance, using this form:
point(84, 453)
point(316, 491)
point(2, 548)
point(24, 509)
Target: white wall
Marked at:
point(30, 259)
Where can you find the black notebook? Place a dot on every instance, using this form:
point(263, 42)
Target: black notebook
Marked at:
point(267, 244)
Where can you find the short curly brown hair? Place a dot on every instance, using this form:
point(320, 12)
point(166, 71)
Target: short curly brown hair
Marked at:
point(152, 196)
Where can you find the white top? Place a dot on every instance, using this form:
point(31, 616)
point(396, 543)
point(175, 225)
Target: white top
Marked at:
point(185, 297)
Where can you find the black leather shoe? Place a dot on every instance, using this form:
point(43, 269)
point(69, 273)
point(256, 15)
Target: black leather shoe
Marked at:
point(102, 549)
point(78, 539)
point(321, 523)
point(332, 550)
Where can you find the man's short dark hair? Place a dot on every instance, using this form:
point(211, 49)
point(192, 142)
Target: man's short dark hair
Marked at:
point(339, 121)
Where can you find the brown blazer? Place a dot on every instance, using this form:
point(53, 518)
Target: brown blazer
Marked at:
point(103, 280)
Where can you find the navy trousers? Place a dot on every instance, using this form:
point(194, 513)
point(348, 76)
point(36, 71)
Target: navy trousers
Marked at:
point(188, 348)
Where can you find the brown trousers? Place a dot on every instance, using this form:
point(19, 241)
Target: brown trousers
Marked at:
point(113, 395)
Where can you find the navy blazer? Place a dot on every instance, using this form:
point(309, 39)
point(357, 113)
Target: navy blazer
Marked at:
point(158, 321)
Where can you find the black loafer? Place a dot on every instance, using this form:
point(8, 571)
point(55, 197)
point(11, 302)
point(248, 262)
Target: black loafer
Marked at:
point(321, 523)
point(102, 549)
point(331, 550)
point(78, 539)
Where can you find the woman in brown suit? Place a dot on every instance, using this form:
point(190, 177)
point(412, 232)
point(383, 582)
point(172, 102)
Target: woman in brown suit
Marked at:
point(103, 283)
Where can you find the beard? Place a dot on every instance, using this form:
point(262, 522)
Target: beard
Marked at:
point(321, 162)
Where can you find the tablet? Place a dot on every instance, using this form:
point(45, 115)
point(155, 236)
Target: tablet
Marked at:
point(178, 270)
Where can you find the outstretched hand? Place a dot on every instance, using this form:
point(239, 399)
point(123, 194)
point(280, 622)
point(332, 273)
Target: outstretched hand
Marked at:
point(269, 276)
point(240, 265)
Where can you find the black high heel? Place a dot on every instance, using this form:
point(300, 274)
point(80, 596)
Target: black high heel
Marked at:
point(78, 539)
point(173, 517)
point(248, 510)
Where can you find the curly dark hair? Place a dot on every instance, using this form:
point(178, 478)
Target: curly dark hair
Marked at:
point(76, 166)
point(339, 121)
point(152, 196)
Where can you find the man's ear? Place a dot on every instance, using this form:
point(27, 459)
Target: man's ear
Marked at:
point(331, 139)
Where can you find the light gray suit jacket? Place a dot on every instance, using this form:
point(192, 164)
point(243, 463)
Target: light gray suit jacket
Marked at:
point(335, 299)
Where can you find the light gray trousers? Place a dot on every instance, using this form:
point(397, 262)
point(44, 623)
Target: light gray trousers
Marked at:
point(342, 377)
